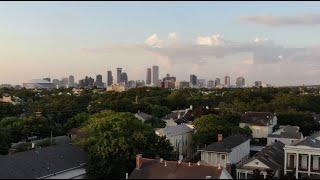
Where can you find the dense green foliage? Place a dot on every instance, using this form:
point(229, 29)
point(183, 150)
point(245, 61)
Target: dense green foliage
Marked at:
point(114, 139)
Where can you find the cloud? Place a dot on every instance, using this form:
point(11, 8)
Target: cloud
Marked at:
point(154, 41)
point(275, 21)
point(248, 61)
point(173, 36)
point(214, 40)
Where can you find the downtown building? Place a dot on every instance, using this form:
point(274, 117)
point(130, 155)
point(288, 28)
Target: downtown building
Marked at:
point(240, 82)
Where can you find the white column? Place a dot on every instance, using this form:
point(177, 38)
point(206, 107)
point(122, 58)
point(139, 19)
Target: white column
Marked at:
point(246, 175)
point(285, 162)
point(297, 164)
point(264, 175)
point(309, 164)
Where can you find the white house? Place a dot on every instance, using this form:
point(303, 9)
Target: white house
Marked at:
point(285, 134)
point(232, 149)
point(302, 158)
point(260, 123)
point(180, 136)
point(267, 162)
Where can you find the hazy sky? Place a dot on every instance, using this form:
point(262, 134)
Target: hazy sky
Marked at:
point(276, 42)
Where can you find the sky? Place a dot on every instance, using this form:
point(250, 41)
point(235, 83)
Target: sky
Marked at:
point(275, 42)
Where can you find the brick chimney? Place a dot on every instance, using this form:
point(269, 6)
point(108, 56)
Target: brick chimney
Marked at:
point(138, 161)
point(220, 137)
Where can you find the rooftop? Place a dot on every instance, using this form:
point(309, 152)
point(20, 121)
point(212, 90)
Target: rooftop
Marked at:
point(41, 162)
point(257, 118)
point(176, 130)
point(291, 132)
point(227, 144)
point(307, 141)
point(154, 169)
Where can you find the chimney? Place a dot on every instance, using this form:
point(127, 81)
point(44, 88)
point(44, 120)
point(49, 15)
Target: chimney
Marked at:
point(220, 137)
point(190, 107)
point(138, 161)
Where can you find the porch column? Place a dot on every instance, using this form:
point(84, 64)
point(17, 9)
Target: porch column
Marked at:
point(297, 164)
point(309, 164)
point(246, 175)
point(285, 162)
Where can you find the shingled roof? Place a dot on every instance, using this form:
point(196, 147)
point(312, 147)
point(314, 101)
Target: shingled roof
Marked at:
point(291, 132)
point(257, 118)
point(227, 144)
point(272, 156)
point(154, 169)
point(41, 162)
point(308, 141)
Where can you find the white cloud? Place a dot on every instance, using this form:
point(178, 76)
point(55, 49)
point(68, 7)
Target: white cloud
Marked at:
point(173, 36)
point(214, 40)
point(269, 20)
point(154, 41)
point(248, 61)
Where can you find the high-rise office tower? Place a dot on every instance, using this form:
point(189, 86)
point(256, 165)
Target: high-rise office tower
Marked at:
point(227, 81)
point(119, 75)
point(109, 78)
point(124, 78)
point(64, 82)
point(155, 75)
point(210, 84)
point(56, 83)
point(217, 82)
point(71, 81)
point(201, 83)
point(193, 80)
point(99, 82)
point(240, 82)
point(148, 79)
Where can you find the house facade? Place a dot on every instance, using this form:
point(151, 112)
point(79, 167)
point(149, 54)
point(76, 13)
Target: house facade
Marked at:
point(302, 158)
point(260, 123)
point(231, 150)
point(267, 163)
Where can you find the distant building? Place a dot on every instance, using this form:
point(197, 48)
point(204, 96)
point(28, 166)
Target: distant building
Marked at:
point(47, 79)
point(193, 80)
point(109, 78)
point(88, 82)
point(201, 83)
point(38, 84)
point(119, 75)
point(64, 82)
point(99, 82)
point(148, 78)
point(117, 87)
point(131, 84)
point(210, 84)
point(258, 83)
point(155, 75)
point(168, 82)
point(140, 83)
point(227, 81)
point(71, 81)
point(124, 78)
point(56, 83)
point(217, 82)
point(240, 82)
point(182, 84)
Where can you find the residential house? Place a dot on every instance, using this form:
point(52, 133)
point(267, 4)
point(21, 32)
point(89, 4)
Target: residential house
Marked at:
point(285, 134)
point(232, 149)
point(62, 161)
point(161, 169)
point(143, 116)
point(267, 163)
point(180, 136)
point(302, 158)
point(261, 123)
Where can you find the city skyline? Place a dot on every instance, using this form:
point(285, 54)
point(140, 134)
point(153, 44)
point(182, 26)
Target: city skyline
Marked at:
point(56, 39)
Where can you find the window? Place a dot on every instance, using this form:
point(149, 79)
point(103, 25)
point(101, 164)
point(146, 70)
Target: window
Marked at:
point(257, 163)
point(223, 157)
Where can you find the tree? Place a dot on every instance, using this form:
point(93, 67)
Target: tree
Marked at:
point(113, 140)
point(159, 111)
point(77, 121)
point(4, 142)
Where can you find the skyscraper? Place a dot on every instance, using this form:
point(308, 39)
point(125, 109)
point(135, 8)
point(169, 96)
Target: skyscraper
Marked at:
point(217, 82)
point(210, 84)
point(258, 83)
point(119, 75)
point(227, 81)
point(56, 83)
point(99, 82)
point(71, 81)
point(109, 78)
point(124, 78)
point(155, 75)
point(193, 80)
point(240, 82)
point(64, 82)
point(148, 79)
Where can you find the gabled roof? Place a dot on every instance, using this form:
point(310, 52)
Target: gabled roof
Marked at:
point(227, 144)
point(291, 132)
point(153, 169)
point(144, 116)
point(37, 163)
point(271, 155)
point(307, 141)
point(257, 118)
